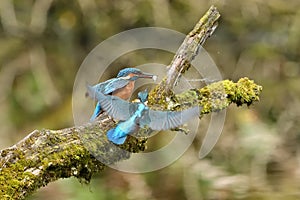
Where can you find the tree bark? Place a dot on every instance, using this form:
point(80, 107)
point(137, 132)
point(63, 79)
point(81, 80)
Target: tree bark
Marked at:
point(185, 54)
point(47, 155)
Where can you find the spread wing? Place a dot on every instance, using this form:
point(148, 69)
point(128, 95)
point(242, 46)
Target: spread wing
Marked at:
point(100, 87)
point(163, 120)
point(110, 85)
point(114, 106)
point(114, 84)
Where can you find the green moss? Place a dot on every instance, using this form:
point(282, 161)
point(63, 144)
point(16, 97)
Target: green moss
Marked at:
point(219, 95)
point(48, 155)
point(37, 166)
point(158, 96)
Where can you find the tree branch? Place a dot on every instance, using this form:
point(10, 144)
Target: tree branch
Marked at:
point(185, 54)
point(47, 155)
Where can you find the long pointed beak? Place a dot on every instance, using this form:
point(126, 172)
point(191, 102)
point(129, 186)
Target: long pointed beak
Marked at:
point(148, 75)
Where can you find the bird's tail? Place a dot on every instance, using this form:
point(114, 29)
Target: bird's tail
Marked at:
point(96, 113)
point(113, 137)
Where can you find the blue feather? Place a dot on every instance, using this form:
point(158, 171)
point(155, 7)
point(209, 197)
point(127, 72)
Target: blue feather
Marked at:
point(133, 116)
point(126, 71)
point(96, 112)
point(111, 85)
point(116, 135)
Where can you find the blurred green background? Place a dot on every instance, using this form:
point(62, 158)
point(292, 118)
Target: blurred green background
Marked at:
point(44, 42)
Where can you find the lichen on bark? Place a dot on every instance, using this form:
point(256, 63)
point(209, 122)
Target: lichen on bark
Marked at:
point(47, 155)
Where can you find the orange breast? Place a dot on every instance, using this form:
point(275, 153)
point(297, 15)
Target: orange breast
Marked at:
point(125, 92)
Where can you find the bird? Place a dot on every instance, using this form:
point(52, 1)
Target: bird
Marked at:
point(121, 86)
point(134, 116)
point(142, 97)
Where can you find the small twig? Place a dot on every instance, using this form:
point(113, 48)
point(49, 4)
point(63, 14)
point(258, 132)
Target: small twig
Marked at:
point(185, 54)
point(47, 155)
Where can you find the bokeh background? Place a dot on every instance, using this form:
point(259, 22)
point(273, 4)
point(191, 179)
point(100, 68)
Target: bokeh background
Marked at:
point(44, 42)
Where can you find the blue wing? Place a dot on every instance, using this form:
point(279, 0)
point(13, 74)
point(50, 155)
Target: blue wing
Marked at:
point(110, 85)
point(113, 105)
point(114, 84)
point(106, 87)
point(100, 87)
point(96, 112)
point(115, 136)
point(164, 120)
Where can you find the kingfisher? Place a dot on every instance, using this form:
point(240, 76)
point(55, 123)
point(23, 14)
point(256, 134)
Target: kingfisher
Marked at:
point(133, 116)
point(122, 86)
point(143, 96)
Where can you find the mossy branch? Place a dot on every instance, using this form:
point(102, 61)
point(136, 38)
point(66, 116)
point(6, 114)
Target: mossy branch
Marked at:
point(47, 155)
point(185, 54)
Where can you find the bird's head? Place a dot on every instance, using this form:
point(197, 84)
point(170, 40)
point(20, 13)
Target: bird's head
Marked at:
point(143, 96)
point(134, 74)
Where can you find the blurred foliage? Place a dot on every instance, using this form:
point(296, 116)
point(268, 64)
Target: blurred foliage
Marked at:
point(43, 43)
